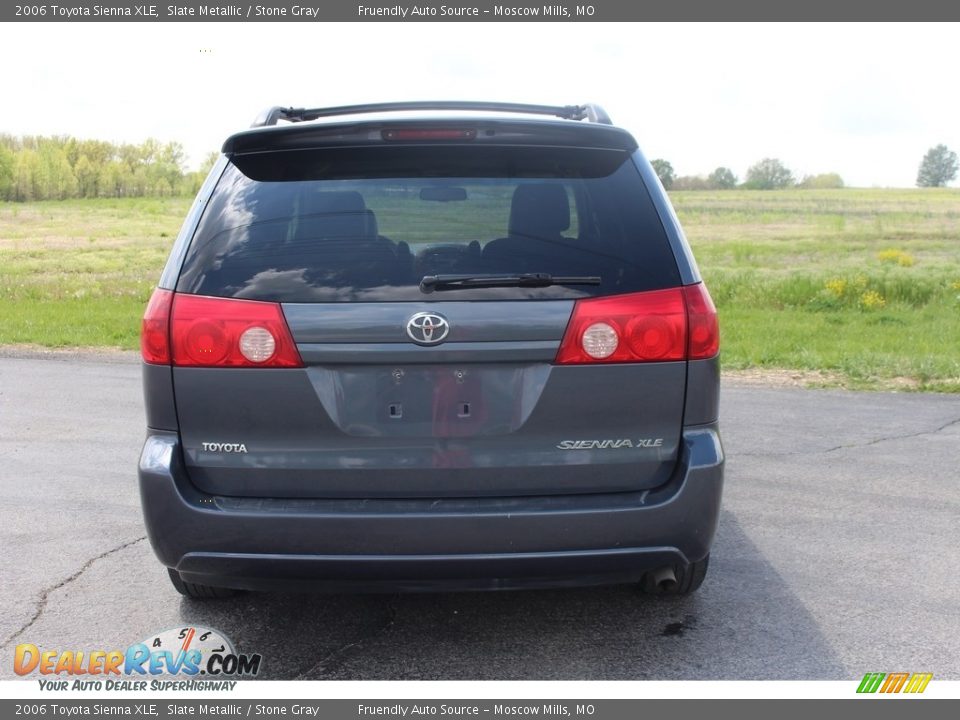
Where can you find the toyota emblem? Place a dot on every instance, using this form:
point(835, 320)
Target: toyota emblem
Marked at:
point(427, 328)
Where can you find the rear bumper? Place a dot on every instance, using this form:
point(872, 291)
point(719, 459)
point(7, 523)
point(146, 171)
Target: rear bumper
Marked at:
point(254, 543)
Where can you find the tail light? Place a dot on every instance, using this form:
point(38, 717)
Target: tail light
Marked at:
point(216, 332)
point(155, 328)
point(704, 329)
point(655, 326)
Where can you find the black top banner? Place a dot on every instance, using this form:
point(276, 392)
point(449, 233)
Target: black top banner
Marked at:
point(481, 11)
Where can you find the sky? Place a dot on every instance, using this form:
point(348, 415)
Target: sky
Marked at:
point(863, 100)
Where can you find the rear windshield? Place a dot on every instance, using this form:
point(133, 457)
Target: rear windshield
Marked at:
point(367, 224)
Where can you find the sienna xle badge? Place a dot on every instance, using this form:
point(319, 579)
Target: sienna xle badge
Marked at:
point(464, 345)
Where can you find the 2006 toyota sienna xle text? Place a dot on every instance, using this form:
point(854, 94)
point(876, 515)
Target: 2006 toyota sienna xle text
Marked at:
point(459, 345)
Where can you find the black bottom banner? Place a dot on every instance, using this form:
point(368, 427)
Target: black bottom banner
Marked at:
point(621, 709)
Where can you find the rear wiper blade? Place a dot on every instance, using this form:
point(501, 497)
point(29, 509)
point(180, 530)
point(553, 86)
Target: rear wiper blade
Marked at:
point(429, 283)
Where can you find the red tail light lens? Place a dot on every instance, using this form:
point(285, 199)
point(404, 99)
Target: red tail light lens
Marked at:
point(224, 332)
point(655, 326)
point(704, 329)
point(155, 328)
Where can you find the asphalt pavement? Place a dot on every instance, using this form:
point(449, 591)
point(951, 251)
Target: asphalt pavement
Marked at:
point(838, 553)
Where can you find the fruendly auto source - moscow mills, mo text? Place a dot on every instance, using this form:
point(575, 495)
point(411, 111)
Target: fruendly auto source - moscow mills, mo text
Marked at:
point(299, 12)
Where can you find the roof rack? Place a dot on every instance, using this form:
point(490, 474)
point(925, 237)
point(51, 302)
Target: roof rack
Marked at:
point(589, 112)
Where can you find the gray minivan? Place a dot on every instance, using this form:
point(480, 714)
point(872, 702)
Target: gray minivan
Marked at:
point(431, 345)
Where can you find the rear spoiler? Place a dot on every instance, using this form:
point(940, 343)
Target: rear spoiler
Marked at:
point(475, 130)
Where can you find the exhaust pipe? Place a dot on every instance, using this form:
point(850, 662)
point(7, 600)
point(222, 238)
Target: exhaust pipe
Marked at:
point(663, 580)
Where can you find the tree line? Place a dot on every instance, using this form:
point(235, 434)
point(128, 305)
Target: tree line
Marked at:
point(64, 167)
point(768, 174)
point(938, 167)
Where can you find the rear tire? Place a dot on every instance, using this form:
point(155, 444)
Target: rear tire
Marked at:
point(689, 578)
point(197, 591)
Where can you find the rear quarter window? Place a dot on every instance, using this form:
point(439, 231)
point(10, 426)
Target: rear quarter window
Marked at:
point(367, 224)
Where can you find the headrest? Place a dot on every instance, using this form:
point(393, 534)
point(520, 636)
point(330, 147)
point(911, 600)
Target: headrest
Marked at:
point(539, 210)
point(340, 214)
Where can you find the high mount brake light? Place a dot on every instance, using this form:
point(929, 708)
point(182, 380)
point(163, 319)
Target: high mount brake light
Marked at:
point(655, 326)
point(198, 331)
point(429, 134)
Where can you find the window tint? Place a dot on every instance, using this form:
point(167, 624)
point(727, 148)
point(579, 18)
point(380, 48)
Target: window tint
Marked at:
point(366, 224)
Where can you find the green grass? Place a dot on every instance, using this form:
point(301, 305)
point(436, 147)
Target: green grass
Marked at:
point(78, 273)
point(863, 285)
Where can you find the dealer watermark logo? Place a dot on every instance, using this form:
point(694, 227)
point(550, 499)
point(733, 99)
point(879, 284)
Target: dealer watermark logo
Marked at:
point(175, 655)
point(889, 683)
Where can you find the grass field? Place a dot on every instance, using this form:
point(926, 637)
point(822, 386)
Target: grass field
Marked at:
point(79, 272)
point(862, 286)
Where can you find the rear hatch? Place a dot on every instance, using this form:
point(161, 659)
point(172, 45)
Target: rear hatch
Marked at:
point(428, 284)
